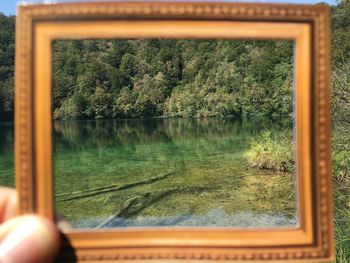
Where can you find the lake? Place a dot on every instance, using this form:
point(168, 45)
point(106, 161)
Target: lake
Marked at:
point(163, 172)
point(6, 154)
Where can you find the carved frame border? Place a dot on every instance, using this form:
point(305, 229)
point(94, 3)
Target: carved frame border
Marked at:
point(317, 16)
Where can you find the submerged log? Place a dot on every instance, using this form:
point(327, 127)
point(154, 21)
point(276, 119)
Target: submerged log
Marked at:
point(87, 190)
point(136, 204)
point(123, 209)
point(108, 189)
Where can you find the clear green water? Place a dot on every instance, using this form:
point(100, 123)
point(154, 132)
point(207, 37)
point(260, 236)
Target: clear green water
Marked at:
point(177, 172)
point(6, 155)
point(199, 175)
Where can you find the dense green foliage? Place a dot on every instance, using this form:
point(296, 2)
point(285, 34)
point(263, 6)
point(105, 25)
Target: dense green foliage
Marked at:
point(7, 55)
point(96, 79)
point(191, 78)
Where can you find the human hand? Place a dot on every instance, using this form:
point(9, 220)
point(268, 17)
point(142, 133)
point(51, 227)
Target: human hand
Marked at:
point(25, 239)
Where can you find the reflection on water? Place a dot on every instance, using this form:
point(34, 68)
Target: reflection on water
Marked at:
point(167, 172)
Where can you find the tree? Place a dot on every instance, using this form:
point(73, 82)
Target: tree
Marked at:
point(7, 58)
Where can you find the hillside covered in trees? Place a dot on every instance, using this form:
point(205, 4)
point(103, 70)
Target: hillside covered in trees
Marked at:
point(7, 64)
point(138, 78)
point(165, 77)
point(142, 78)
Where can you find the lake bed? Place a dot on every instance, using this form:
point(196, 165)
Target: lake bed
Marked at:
point(177, 172)
point(163, 172)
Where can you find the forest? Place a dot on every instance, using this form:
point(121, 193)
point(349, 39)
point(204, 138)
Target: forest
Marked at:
point(96, 79)
point(7, 65)
point(110, 79)
point(105, 79)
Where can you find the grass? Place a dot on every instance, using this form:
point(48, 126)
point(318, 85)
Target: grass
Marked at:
point(272, 150)
point(341, 181)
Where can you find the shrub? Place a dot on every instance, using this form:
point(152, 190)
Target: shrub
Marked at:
point(271, 150)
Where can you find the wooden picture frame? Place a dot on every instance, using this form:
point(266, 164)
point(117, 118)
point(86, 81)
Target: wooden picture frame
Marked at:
point(308, 26)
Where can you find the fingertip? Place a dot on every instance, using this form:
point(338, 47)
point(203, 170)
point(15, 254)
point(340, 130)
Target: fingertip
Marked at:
point(51, 231)
point(31, 239)
point(8, 203)
point(11, 210)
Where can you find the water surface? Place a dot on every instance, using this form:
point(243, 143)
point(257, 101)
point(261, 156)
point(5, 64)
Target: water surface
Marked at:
point(167, 172)
point(7, 155)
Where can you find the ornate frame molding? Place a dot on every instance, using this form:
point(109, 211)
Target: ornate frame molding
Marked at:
point(33, 197)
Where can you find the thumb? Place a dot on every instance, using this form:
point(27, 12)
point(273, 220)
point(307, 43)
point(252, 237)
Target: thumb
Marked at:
point(28, 239)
